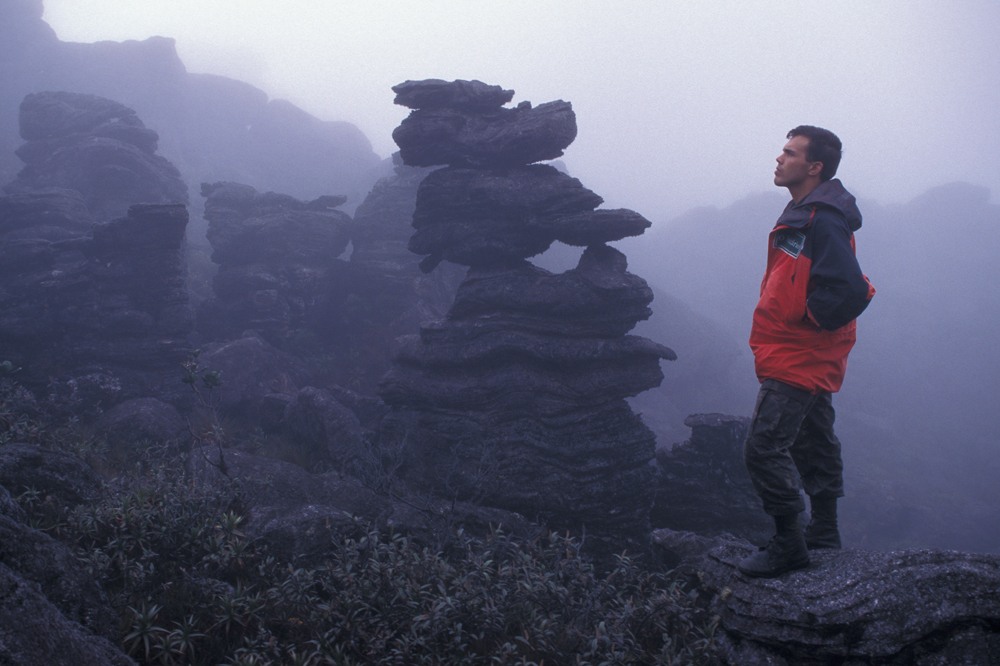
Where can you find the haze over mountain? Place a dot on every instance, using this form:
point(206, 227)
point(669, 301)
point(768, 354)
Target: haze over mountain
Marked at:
point(917, 413)
point(681, 104)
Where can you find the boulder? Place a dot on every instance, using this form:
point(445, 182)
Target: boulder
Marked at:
point(139, 423)
point(57, 476)
point(251, 373)
point(327, 432)
point(51, 610)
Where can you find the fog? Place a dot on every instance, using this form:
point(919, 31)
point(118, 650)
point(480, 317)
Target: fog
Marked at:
point(681, 108)
point(679, 104)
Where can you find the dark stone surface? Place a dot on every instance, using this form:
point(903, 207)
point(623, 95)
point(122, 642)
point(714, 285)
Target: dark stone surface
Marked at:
point(439, 94)
point(275, 254)
point(849, 607)
point(33, 630)
point(252, 371)
point(493, 216)
point(328, 433)
point(518, 136)
point(381, 294)
point(87, 306)
point(134, 425)
point(51, 610)
point(516, 399)
point(59, 476)
point(598, 298)
point(594, 227)
point(704, 486)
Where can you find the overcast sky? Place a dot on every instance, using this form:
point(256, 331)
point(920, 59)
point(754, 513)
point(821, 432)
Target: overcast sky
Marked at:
point(679, 103)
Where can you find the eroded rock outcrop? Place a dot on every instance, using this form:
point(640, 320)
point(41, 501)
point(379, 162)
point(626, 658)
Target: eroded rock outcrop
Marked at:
point(517, 397)
point(382, 294)
point(99, 315)
point(96, 146)
point(703, 484)
point(93, 310)
point(274, 254)
point(850, 607)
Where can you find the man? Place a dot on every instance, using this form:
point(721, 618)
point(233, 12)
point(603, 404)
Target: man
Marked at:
point(803, 329)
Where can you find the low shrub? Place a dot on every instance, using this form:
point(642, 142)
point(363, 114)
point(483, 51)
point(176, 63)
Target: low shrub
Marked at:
point(192, 587)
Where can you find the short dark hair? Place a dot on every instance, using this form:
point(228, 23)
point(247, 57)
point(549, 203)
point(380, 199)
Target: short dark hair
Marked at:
point(824, 146)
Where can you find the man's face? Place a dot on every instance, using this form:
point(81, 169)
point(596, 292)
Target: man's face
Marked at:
point(793, 167)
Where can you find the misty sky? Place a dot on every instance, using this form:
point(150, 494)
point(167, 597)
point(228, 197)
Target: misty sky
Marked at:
point(679, 103)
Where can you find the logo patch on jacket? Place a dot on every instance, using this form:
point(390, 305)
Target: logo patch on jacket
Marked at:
point(790, 241)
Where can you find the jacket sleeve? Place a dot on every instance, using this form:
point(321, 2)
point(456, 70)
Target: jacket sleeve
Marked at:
point(838, 290)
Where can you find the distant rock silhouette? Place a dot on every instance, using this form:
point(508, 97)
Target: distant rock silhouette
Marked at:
point(95, 309)
point(517, 397)
point(274, 253)
point(212, 128)
point(97, 147)
point(703, 485)
point(315, 283)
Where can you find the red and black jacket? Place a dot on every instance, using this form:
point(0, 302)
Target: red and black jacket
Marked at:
point(812, 292)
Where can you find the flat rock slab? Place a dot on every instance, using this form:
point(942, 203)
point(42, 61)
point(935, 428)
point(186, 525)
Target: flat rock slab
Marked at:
point(857, 607)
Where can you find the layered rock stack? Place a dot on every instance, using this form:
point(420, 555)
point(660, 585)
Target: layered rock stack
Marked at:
point(92, 310)
point(517, 397)
point(98, 316)
point(99, 148)
point(384, 293)
point(274, 254)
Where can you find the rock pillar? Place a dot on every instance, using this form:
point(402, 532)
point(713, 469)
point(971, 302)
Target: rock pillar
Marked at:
point(517, 397)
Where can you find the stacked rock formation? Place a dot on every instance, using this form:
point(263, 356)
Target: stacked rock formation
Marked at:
point(517, 397)
point(274, 255)
point(384, 293)
point(93, 311)
point(96, 146)
point(103, 313)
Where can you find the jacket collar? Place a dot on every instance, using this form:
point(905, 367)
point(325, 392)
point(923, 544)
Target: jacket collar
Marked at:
point(829, 194)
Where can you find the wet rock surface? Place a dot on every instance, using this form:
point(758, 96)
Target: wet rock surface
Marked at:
point(850, 606)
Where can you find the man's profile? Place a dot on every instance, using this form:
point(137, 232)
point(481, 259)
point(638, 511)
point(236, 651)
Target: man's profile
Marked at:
point(803, 329)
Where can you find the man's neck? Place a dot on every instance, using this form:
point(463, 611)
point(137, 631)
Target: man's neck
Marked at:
point(802, 190)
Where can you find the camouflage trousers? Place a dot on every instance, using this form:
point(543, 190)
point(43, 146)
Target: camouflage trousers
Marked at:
point(791, 442)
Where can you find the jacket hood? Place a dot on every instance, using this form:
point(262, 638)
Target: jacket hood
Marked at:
point(830, 194)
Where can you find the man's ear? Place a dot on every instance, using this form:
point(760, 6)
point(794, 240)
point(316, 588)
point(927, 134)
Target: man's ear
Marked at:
point(815, 168)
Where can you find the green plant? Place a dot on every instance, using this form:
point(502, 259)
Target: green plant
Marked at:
point(193, 586)
point(208, 429)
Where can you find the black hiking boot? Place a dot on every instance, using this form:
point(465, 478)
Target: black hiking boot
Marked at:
point(822, 530)
point(786, 551)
